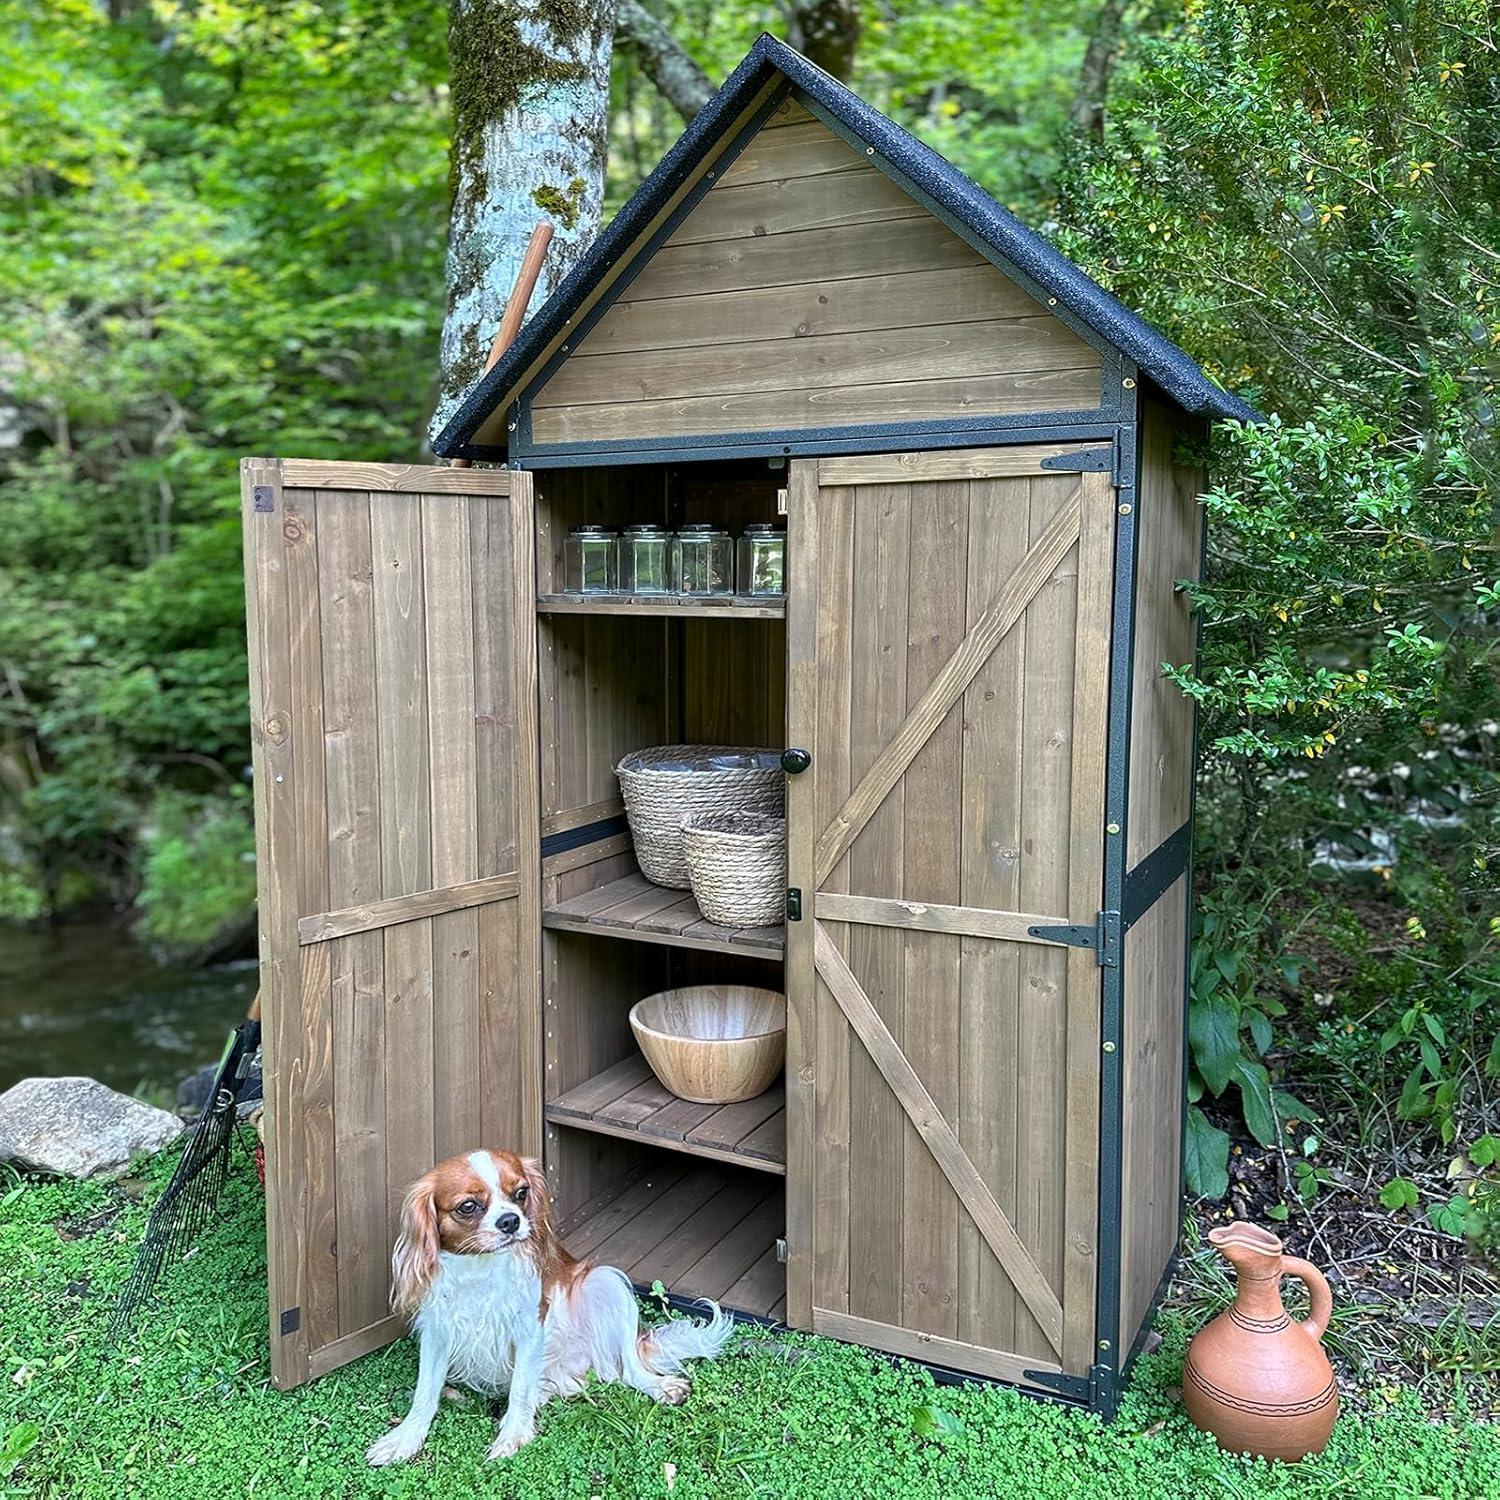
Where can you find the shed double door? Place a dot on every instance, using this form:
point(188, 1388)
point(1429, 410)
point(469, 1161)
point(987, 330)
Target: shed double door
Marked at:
point(948, 637)
point(393, 691)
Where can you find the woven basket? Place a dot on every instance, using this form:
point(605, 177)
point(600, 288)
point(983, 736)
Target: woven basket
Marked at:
point(666, 784)
point(737, 861)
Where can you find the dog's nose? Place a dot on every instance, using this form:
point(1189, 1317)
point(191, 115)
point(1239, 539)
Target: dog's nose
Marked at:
point(508, 1223)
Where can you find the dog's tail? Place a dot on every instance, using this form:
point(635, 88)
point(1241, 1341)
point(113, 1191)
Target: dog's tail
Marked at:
point(667, 1348)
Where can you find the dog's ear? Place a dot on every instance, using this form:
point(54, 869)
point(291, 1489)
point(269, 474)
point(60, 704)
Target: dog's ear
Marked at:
point(414, 1261)
point(536, 1186)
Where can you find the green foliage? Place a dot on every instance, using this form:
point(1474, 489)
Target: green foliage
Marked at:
point(185, 1406)
point(198, 870)
point(224, 228)
point(1308, 198)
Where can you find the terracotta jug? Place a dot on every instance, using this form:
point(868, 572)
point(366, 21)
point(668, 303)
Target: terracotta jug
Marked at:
point(1256, 1380)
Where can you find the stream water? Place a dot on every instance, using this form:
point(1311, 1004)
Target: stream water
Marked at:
point(84, 999)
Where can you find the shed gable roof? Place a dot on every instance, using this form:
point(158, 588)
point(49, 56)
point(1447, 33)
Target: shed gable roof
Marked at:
point(972, 211)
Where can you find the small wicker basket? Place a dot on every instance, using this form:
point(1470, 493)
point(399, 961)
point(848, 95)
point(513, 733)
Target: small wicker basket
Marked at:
point(667, 784)
point(737, 861)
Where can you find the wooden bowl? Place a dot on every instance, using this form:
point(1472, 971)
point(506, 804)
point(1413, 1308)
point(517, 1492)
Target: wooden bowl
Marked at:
point(713, 1043)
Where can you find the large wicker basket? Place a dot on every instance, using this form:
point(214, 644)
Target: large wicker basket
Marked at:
point(666, 784)
point(737, 861)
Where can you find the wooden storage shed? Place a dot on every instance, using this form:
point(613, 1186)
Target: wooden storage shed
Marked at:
point(975, 1159)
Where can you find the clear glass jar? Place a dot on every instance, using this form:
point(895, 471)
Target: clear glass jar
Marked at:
point(705, 559)
point(591, 560)
point(761, 562)
point(646, 562)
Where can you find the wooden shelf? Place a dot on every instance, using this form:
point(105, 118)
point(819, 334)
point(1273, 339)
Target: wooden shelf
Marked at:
point(627, 1100)
point(632, 907)
point(700, 1231)
point(670, 606)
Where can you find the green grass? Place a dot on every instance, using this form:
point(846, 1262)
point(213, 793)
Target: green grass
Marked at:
point(185, 1408)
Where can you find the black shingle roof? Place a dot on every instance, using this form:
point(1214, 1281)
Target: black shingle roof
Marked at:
point(1178, 376)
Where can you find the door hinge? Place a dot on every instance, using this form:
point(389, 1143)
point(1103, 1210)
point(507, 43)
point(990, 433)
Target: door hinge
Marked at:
point(263, 497)
point(291, 1321)
point(1102, 935)
point(793, 904)
point(781, 1251)
point(1083, 461)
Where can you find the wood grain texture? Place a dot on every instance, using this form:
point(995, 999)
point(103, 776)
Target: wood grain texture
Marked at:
point(413, 479)
point(807, 288)
point(814, 361)
point(930, 1035)
point(1168, 522)
point(1047, 549)
point(390, 952)
point(954, 463)
point(914, 1344)
point(938, 1135)
point(995, 751)
point(1152, 1103)
point(1086, 812)
point(357, 965)
point(370, 916)
point(812, 308)
point(269, 629)
point(896, 401)
point(924, 916)
point(974, 842)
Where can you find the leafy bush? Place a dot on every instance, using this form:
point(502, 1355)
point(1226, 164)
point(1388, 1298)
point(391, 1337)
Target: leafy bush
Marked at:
point(1308, 197)
point(197, 872)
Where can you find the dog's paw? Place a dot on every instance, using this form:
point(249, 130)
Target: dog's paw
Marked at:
point(674, 1390)
point(510, 1440)
point(398, 1446)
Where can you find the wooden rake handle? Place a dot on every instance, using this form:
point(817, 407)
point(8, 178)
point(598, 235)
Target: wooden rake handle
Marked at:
point(520, 300)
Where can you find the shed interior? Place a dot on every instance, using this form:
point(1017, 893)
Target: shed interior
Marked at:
point(691, 1195)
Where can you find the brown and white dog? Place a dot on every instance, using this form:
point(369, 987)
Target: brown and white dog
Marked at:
point(500, 1306)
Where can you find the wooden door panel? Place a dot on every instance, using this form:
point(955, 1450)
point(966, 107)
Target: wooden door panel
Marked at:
point(948, 633)
point(392, 643)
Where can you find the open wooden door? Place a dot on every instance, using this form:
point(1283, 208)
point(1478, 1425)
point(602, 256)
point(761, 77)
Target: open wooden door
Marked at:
point(393, 695)
point(948, 640)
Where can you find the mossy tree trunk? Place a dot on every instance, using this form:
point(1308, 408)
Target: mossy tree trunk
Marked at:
point(530, 102)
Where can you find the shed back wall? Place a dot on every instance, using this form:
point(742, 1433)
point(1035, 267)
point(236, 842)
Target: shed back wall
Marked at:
point(807, 289)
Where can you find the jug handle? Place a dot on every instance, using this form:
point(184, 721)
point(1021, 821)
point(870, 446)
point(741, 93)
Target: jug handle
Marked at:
point(1316, 1321)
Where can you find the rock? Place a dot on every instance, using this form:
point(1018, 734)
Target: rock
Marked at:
point(76, 1127)
point(193, 1091)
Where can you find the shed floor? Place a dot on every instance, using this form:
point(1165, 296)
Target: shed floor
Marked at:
point(701, 1231)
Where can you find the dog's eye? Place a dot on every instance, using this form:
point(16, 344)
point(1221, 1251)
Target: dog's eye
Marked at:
point(467, 1209)
point(521, 1193)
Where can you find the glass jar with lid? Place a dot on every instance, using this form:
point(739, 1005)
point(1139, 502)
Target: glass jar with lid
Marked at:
point(646, 562)
point(761, 564)
point(705, 559)
point(591, 560)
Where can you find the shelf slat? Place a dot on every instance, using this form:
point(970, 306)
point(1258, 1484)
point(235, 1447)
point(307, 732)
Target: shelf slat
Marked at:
point(633, 908)
point(627, 1101)
point(701, 1232)
point(669, 606)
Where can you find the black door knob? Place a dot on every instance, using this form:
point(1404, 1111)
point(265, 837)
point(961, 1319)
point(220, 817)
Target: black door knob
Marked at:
point(794, 761)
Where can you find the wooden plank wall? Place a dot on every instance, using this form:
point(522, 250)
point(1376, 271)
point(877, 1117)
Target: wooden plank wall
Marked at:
point(982, 819)
point(807, 289)
point(1161, 771)
point(391, 749)
point(1169, 534)
point(1152, 1086)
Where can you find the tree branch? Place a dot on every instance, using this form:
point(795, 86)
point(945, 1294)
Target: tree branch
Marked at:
point(1098, 65)
point(677, 78)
